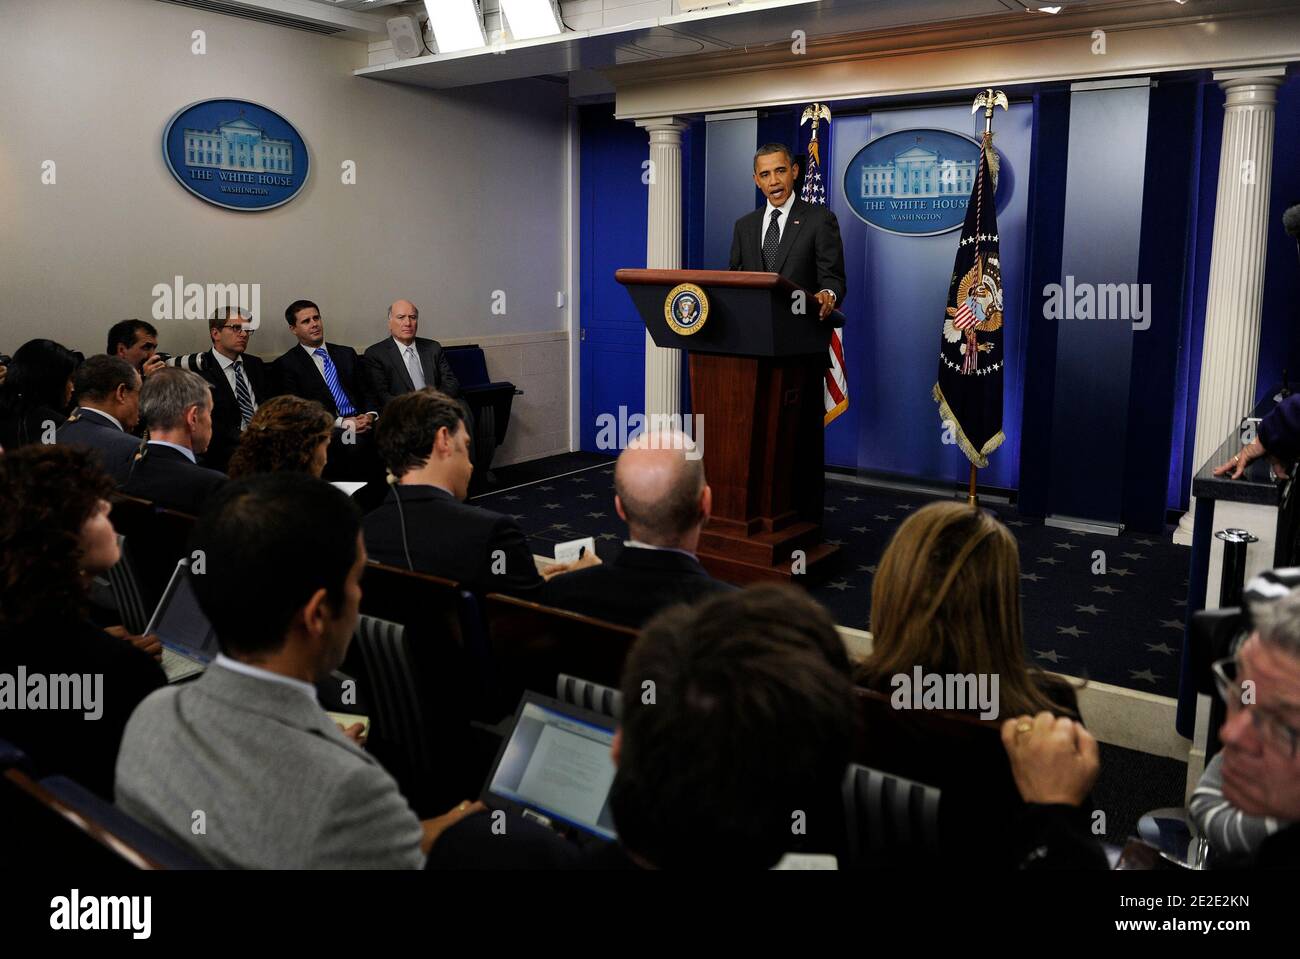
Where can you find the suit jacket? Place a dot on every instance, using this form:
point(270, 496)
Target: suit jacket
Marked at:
point(811, 254)
point(281, 787)
point(389, 376)
point(634, 586)
point(454, 540)
point(1279, 431)
point(165, 477)
point(225, 408)
point(116, 449)
point(63, 741)
point(298, 376)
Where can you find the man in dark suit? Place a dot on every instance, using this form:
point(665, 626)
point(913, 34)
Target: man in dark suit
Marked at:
point(177, 409)
point(403, 362)
point(424, 525)
point(799, 240)
point(661, 493)
point(240, 382)
point(108, 391)
point(335, 377)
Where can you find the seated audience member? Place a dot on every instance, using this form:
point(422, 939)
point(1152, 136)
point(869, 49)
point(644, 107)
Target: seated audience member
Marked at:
point(334, 376)
point(55, 536)
point(177, 409)
point(424, 525)
point(1055, 764)
point(136, 342)
point(280, 785)
point(403, 362)
point(946, 597)
point(661, 494)
point(36, 394)
point(946, 600)
point(108, 410)
point(240, 382)
point(751, 718)
point(286, 435)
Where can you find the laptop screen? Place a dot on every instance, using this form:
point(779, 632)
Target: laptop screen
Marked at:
point(180, 623)
point(557, 762)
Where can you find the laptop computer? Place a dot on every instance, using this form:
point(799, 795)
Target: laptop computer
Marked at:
point(189, 642)
point(554, 767)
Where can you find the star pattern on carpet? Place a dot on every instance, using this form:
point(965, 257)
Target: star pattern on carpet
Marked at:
point(1172, 624)
point(1125, 648)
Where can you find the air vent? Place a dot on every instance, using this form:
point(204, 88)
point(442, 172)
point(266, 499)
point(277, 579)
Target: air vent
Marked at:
point(262, 16)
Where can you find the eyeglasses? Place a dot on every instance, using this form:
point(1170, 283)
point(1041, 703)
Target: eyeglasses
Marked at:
point(238, 328)
point(1238, 697)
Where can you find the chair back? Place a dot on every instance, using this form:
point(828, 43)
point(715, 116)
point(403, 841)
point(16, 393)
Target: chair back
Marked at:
point(593, 696)
point(890, 821)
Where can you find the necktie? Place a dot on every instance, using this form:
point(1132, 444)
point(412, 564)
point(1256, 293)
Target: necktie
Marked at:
point(242, 396)
point(341, 401)
point(771, 241)
point(413, 367)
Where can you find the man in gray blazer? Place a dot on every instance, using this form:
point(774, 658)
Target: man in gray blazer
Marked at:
point(243, 766)
point(403, 362)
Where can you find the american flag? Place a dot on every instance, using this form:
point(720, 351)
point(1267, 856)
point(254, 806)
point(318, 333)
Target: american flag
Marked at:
point(965, 317)
point(835, 391)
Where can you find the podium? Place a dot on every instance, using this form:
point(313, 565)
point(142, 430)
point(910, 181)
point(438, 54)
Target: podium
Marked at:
point(757, 366)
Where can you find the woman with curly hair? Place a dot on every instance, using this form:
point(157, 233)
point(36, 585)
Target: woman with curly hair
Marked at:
point(37, 392)
point(287, 434)
point(55, 536)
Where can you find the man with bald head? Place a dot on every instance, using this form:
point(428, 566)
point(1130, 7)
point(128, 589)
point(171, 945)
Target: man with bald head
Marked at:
point(661, 493)
point(403, 362)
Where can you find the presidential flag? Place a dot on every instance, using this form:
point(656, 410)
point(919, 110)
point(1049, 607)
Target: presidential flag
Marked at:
point(971, 358)
point(835, 389)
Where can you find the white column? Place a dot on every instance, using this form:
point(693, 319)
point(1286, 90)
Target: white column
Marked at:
point(663, 251)
point(1230, 351)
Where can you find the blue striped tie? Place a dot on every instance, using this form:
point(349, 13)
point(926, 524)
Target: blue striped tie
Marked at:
point(341, 401)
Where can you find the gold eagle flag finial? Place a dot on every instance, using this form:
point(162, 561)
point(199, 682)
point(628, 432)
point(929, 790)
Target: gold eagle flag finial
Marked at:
point(988, 99)
point(816, 112)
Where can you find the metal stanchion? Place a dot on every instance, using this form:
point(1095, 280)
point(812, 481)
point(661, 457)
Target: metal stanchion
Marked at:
point(1233, 581)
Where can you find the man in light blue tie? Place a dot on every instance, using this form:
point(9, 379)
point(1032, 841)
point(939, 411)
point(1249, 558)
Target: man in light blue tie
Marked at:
point(335, 377)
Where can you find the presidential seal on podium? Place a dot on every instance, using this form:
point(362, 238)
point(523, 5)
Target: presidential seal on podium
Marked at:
point(686, 309)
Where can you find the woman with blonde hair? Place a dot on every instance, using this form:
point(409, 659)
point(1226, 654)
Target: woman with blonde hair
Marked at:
point(286, 434)
point(946, 597)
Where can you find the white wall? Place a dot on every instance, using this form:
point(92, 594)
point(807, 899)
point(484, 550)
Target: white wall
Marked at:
point(458, 194)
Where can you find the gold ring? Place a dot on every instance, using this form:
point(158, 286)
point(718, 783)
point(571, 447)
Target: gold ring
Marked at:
point(463, 806)
point(1023, 727)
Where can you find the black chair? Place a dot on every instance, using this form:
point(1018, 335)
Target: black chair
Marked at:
point(446, 677)
point(397, 715)
point(981, 812)
point(57, 820)
point(588, 695)
point(125, 586)
point(11, 755)
point(488, 401)
point(156, 538)
point(533, 644)
point(890, 821)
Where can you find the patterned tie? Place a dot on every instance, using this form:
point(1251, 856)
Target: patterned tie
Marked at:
point(771, 242)
point(242, 396)
point(413, 367)
point(341, 401)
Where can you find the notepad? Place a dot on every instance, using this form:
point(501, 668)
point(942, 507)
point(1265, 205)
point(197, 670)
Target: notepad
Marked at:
point(351, 719)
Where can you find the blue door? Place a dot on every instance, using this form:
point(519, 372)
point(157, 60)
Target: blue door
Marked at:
point(613, 217)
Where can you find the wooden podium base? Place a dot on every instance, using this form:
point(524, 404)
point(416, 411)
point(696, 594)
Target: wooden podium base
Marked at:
point(766, 557)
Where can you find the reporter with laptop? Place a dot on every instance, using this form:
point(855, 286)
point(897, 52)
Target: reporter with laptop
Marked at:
point(242, 765)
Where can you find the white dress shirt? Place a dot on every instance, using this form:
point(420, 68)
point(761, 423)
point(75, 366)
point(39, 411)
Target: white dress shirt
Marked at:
point(780, 221)
point(320, 368)
point(228, 367)
point(235, 666)
point(108, 416)
point(189, 453)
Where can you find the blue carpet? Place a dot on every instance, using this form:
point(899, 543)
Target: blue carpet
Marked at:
point(1124, 627)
